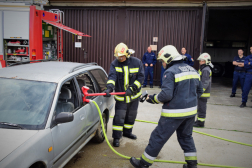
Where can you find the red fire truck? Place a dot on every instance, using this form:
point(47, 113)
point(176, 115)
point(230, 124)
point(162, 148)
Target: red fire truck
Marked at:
point(31, 34)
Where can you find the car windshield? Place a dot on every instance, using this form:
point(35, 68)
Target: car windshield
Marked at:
point(25, 104)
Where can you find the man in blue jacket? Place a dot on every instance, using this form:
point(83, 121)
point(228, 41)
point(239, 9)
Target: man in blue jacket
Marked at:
point(189, 60)
point(149, 60)
point(239, 71)
point(248, 79)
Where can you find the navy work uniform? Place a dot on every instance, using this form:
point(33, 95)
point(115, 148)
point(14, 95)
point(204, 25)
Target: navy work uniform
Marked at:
point(189, 60)
point(179, 93)
point(248, 79)
point(149, 58)
point(121, 76)
point(162, 74)
point(239, 74)
point(206, 79)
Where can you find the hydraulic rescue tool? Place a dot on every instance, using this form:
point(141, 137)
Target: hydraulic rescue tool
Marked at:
point(85, 89)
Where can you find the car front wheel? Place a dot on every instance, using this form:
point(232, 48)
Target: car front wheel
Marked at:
point(99, 137)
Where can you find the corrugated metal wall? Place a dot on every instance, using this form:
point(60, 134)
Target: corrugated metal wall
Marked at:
point(136, 27)
point(101, 25)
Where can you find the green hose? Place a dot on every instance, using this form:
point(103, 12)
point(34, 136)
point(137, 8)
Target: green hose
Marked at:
point(203, 134)
point(127, 157)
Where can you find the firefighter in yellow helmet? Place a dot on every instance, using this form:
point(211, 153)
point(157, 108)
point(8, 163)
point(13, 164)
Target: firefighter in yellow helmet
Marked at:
point(179, 93)
point(126, 75)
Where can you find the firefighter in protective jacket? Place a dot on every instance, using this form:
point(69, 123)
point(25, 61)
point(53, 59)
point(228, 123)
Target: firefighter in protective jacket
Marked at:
point(179, 93)
point(126, 75)
point(206, 79)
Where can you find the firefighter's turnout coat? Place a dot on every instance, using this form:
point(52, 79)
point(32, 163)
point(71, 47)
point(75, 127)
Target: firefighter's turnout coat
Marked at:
point(179, 93)
point(125, 74)
point(206, 79)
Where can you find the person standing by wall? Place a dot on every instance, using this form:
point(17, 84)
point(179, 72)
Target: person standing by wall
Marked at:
point(239, 71)
point(189, 60)
point(248, 79)
point(149, 60)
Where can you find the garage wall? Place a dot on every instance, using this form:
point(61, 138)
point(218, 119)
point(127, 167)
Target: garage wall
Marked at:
point(1, 33)
point(134, 26)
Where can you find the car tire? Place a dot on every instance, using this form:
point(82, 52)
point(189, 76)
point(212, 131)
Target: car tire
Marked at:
point(217, 70)
point(99, 137)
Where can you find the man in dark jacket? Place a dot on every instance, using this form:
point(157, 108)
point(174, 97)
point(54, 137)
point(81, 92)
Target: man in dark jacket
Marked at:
point(248, 79)
point(239, 71)
point(126, 75)
point(149, 60)
point(179, 93)
point(188, 60)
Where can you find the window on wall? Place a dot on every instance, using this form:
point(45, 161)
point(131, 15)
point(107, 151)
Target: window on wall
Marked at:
point(101, 78)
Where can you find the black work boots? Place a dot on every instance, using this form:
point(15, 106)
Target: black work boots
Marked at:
point(190, 164)
point(131, 136)
point(116, 142)
point(199, 123)
point(137, 163)
point(232, 95)
point(243, 105)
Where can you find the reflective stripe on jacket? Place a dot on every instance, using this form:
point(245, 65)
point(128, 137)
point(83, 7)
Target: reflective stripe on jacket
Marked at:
point(180, 90)
point(125, 74)
point(206, 79)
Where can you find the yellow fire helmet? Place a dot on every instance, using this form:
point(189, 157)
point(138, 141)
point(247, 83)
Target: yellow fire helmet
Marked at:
point(168, 54)
point(122, 49)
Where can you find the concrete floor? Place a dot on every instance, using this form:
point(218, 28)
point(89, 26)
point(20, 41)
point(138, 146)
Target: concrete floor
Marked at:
point(224, 119)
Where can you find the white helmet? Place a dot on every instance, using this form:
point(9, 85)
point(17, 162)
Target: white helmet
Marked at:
point(168, 54)
point(206, 57)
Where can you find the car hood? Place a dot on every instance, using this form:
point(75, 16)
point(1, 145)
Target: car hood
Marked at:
point(11, 139)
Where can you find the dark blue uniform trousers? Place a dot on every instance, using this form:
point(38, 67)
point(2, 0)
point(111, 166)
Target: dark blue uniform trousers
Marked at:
point(166, 127)
point(246, 87)
point(148, 71)
point(125, 115)
point(238, 76)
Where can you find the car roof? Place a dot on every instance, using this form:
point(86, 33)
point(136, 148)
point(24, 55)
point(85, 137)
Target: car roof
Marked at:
point(41, 71)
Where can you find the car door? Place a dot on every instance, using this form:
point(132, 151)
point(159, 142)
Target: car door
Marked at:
point(66, 136)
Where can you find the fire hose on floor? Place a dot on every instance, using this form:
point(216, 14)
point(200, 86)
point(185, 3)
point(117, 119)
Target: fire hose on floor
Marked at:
point(85, 89)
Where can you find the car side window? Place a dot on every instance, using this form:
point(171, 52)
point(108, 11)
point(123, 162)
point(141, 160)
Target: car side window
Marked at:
point(101, 78)
point(68, 99)
point(84, 79)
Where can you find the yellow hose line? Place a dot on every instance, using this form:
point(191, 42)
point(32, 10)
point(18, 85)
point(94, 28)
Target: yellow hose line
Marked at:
point(127, 157)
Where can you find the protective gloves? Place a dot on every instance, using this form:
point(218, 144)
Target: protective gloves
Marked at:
point(152, 99)
point(107, 91)
point(129, 91)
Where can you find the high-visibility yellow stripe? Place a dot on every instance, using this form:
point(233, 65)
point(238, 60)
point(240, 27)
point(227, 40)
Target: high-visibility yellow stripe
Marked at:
point(118, 69)
point(119, 98)
point(204, 89)
point(117, 128)
point(133, 70)
point(155, 98)
point(137, 83)
point(201, 119)
point(205, 95)
point(179, 114)
point(127, 99)
point(179, 79)
point(137, 95)
point(147, 160)
point(210, 73)
point(190, 157)
point(126, 77)
point(200, 72)
point(128, 126)
point(111, 81)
